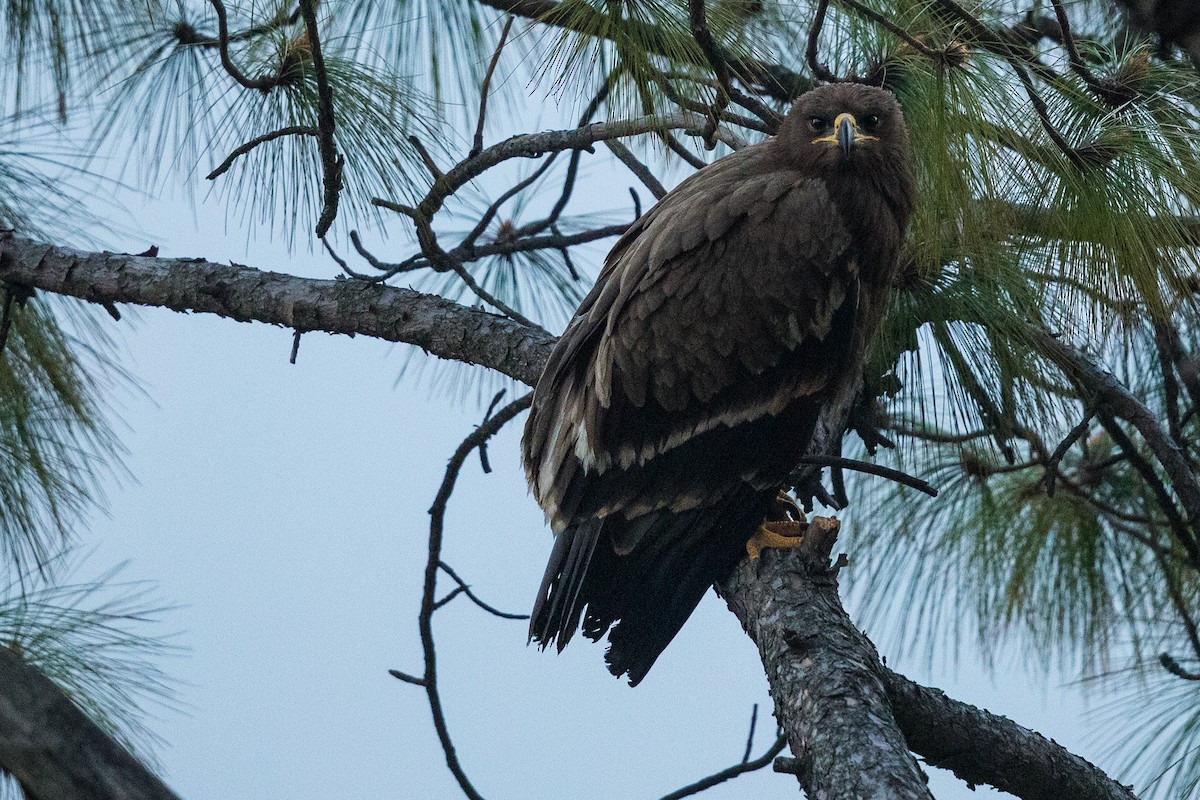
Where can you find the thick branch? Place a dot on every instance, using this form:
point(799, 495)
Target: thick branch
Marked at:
point(450, 330)
point(774, 80)
point(55, 751)
point(838, 701)
point(1107, 390)
point(437, 325)
point(824, 674)
point(981, 747)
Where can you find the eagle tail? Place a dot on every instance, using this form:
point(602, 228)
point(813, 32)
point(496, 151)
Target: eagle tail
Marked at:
point(647, 594)
point(560, 600)
point(667, 578)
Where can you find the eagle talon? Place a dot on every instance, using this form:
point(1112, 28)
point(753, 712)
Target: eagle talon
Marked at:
point(779, 534)
point(787, 509)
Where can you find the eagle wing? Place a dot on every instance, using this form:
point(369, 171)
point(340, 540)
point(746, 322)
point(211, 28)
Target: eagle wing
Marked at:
point(699, 322)
point(681, 395)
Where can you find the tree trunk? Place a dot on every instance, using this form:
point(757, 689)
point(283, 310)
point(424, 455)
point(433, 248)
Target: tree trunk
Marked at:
point(55, 751)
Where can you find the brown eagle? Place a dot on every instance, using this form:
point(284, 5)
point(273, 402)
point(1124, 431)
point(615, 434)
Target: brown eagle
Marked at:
point(690, 380)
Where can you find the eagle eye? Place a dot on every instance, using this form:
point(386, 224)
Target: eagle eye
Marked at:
point(818, 123)
point(870, 121)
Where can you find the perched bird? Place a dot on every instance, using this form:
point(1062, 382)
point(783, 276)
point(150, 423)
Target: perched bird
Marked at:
point(1176, 22)
point(689, 382)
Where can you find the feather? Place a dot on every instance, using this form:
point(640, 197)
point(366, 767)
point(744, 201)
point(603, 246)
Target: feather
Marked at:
point(690, 381)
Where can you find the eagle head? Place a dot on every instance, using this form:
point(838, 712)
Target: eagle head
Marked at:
point(850, 135)
point(845, 126)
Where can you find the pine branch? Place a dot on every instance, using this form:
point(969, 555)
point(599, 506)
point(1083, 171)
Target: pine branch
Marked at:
point(1104, 387)
point(331, 161)
point(983, 748)
point(439, 326)
point(822, 668)
point(55, 751)
point(773, 80)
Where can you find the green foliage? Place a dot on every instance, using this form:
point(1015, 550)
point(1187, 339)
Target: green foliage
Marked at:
point(377, 113)
point(178, 107)
point(40, 177)
point(43, 45)
point(55, 439)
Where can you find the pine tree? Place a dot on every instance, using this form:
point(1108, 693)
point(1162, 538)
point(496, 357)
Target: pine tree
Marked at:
point(1040, 363)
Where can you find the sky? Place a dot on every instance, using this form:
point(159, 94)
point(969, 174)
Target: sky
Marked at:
point(282, 509)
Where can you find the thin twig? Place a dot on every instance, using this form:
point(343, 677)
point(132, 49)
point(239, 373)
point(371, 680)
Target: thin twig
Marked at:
point(871, 469)
point(291, 130)
point(1098, 87)
point(1181, 607)
point(687, 155)
point(331, 163)
point(489, 298)
point(426, 159)
point(768, 121)
point(477, 147)
point(566, 256)
point(474, 598)
point(404, 676)
point(483, 453)
point(814, 34)
point(553, 241)
point(493, 209)
point(6, 320)
point(295, 346)
point(640, 171)
point(433, 564)
point(445, 262)
point(936, 436)
point(1143, 467)
point(1098, 382)
point(1166, 363)
point(564, 197)
point(708, 46)
point(187, 35)
point(1172, 666)
point(730, 772)
point(1051, 464)
point(937, 56)
point(341, 262)
point(455, 592)
point(750, 736)
point(262, 84)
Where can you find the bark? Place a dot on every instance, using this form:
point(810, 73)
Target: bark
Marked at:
point(824, 674)
point(981, 747)
point(437, 325)
point(55, 751)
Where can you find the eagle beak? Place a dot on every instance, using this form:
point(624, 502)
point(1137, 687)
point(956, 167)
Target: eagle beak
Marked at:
point(847, 132)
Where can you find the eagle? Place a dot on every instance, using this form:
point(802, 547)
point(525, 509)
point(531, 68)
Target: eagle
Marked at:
point(689, 382)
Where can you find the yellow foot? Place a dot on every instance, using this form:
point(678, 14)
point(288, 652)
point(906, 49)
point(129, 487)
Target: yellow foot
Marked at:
point(775, 533)
point(791, 533)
